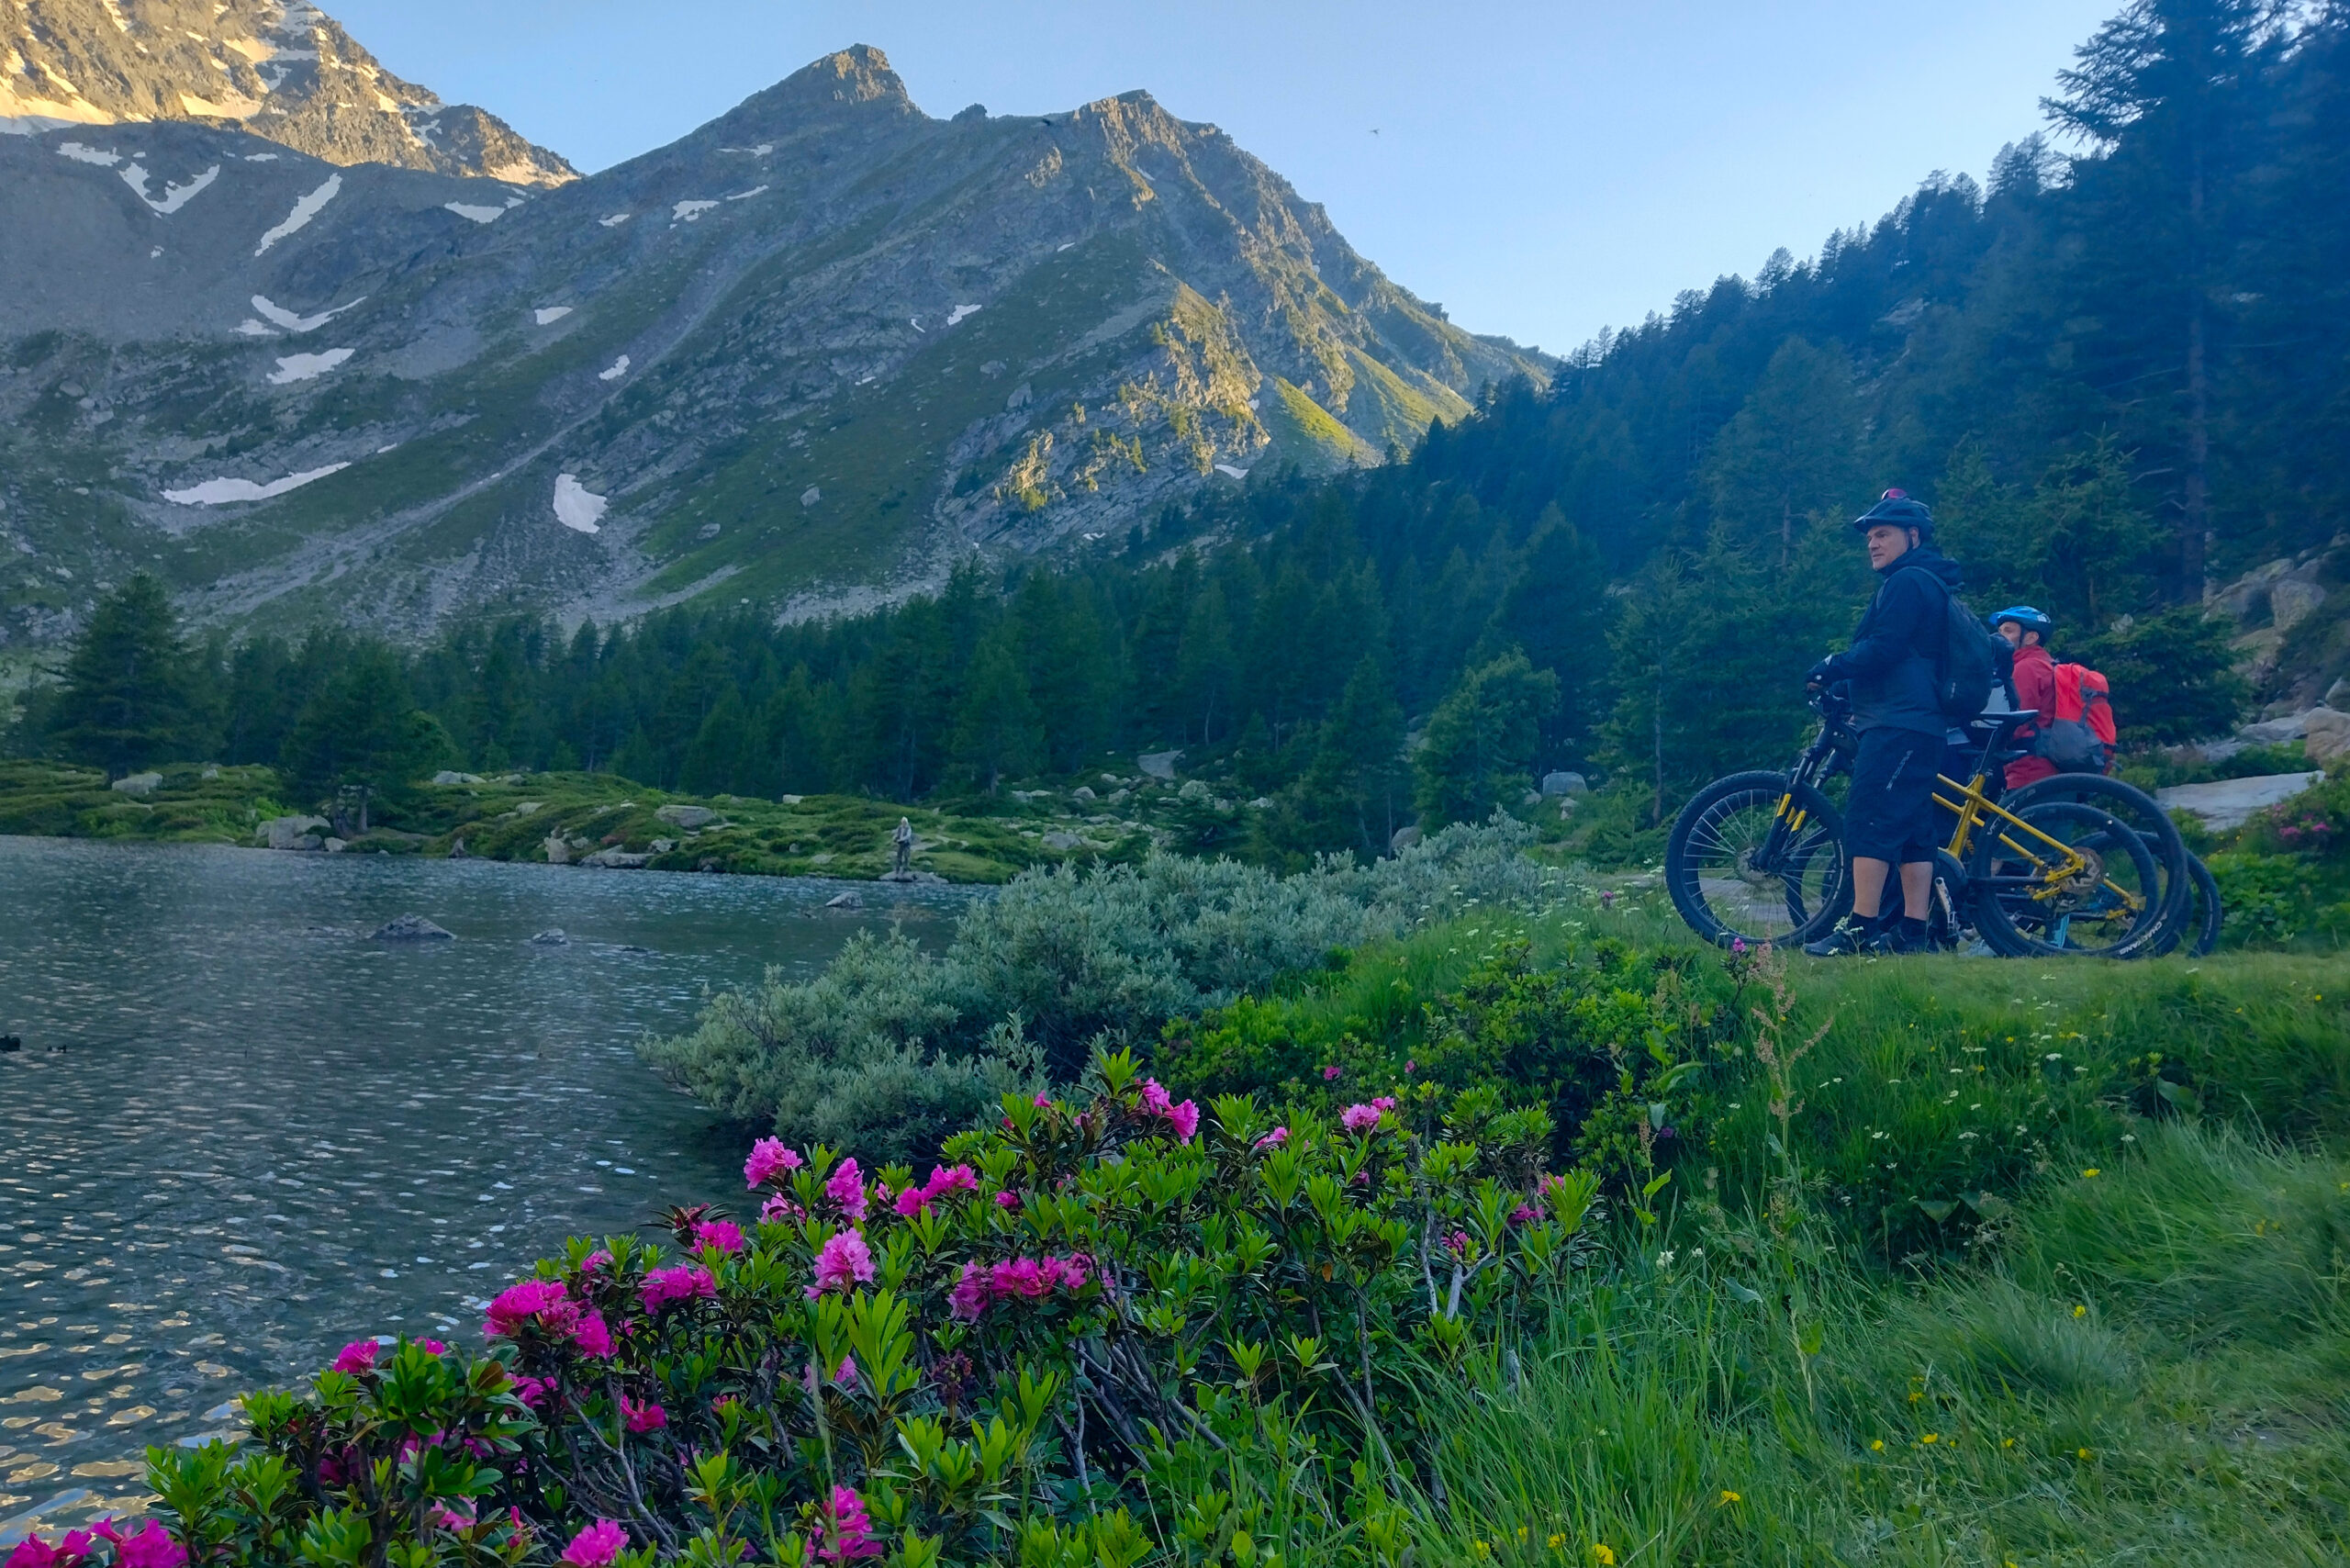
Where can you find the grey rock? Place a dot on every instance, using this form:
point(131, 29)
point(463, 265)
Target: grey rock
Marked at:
point(288, 833)
point(286, 71)
point(1157, 764)
point(845, 901)
point(411, 928)
point(1083, 792)
point(663, 846)
point(615, 860)
point(1405, 837)
point(333, 845)
point(553, 937)
point(449, 776)
point(2228, 803)
point(557, 852)
point(2277, 731)
point(1118, 796)
point(1261, 803)
point(457, 848)
point(2291, 600)
point(687, 817)
point(137, 784)
point(1060, 840)
point(1192, 790)
point(2337, 696)
point(1564, 784)
point(810, 496)
point(2325, 734)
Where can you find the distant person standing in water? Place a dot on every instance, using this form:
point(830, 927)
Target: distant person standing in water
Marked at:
point(903, 841)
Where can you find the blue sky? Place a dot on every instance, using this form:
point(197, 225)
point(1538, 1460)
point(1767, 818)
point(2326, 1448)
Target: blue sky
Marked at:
point(1542, 169)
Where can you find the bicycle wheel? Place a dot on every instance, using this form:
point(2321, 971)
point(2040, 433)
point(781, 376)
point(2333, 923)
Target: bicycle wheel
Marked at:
point(2110, 908)
point(2134, 810)
point(1733, 878)
point(1950, 910)
point(2201, 918)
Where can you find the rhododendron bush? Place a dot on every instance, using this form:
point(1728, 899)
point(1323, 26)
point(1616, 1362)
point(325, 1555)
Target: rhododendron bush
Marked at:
point(1116, 1327)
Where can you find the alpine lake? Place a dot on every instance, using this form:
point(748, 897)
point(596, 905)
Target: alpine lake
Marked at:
point(240, 1132)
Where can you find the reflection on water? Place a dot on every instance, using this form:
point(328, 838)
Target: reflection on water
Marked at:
point(240, 1133)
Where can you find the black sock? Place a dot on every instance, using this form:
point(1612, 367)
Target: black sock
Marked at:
point(1913, 932)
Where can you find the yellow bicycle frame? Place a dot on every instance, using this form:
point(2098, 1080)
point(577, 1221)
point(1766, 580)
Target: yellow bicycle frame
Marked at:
point(1973, 809)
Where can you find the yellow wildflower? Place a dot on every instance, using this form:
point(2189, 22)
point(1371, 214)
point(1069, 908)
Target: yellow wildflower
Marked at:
point(1878, 1447)
point(1482, 1550)
point(1557, 1541)
point(1934, 1436)
point(2007, 1442)
point(2082, 1454)
point(2091, 1173)
point(2080, 1311)
point(1730, 1497)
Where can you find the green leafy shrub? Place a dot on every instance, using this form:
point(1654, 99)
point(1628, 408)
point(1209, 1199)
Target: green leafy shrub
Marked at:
point(1107, 1311)
point(1065, 958)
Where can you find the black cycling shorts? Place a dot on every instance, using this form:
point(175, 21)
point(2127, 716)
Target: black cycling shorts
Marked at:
point(1890, 814)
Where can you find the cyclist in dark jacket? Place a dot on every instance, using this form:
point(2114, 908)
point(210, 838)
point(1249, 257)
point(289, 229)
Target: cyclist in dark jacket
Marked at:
point(1890, 670)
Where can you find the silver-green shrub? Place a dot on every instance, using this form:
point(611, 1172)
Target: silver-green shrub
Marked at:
point(892, 1048)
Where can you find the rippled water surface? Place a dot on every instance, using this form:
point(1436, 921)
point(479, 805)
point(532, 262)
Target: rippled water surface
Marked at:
point(240, 1133)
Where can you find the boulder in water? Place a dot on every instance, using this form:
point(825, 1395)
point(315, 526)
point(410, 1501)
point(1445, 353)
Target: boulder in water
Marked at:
point(553, 937)
point(291, 832)
point(411, 928)
point(845, 901)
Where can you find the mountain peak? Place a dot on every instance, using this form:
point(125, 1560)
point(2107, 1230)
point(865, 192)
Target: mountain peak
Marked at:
point(279, 68)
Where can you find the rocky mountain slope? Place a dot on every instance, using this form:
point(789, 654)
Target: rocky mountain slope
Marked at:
point(283, 70)
point(808, 355)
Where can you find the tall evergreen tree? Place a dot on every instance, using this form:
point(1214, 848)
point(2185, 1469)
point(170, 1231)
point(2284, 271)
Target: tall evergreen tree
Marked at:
point(1479, 750)
point(133, 695)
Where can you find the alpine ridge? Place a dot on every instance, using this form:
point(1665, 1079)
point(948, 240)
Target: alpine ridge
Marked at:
point(808, 355)
point(283, 70)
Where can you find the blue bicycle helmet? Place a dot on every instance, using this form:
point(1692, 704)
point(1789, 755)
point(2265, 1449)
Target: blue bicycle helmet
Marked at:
point(2025, 616)
point(1896, 506)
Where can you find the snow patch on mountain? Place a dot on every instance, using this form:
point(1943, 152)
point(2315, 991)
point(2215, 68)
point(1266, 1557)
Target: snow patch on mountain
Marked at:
point(689, 211)
point(955, 316)
point(755, 190)
point(547, 314)
point(574, 507)
point(616, 219)
point(306, 366)
point(175, 196)
point(221, 492)
point(619, 368)
point(479, 214)
point(305, 209)
point(81, 155)
point(294, 323)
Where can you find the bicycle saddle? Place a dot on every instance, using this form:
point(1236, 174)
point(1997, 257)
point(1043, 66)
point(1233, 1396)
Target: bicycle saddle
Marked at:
point(1998, 728)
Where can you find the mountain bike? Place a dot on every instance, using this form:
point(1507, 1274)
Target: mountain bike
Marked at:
point(2075, 863)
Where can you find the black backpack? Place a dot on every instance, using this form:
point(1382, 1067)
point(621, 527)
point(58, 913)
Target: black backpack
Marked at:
point(1974, 661)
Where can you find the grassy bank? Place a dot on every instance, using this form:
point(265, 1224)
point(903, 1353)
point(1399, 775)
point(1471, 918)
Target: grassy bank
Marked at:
point(511, 817)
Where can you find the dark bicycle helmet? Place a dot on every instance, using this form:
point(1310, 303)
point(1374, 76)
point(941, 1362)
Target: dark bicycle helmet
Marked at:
point(1895, 508)
point(2025, 616)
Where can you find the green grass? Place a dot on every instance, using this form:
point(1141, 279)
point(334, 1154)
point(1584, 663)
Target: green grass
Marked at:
point(511, 817)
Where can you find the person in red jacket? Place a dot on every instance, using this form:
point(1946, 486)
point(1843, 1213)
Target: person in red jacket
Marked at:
point(2027, 630)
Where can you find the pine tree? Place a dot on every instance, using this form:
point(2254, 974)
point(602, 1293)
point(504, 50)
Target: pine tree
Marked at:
point(1479, 751)
point(998, 731)
point(132, 696)
point(363, 729)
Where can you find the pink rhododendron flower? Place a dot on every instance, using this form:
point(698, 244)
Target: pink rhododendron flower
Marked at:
point(845, 1374)
point(1457, 1244)
point(1359, 1118)
point(34, 1553)
point(1525, 1214)
point(642, 1417)
point(846, 1188)
point(1274, 1139)
point(1186, 1117)
point(1068, 1272)
point(970, 1296)
point(593, 1336)
point(1156, 1099)
point(431, 1346)
point(152, 1546)
point(596, 1262)
point(1410, 1067)
point(1382, 1101)
point(444, 1516)
point(769, 1160)
point(844, 1260)
point(1044, 1102)
point(724, 1234)
point(848, 1532)
point(909, 1202)
point(1021, 1277)
point(359, 1356)
point(543, 1304)
point(533, 1391)
point(664, 1285)
point(596, 1546)
point(778, 1207)
point(1007, 1200)
point(1332, 1073)
point(946, 1178)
